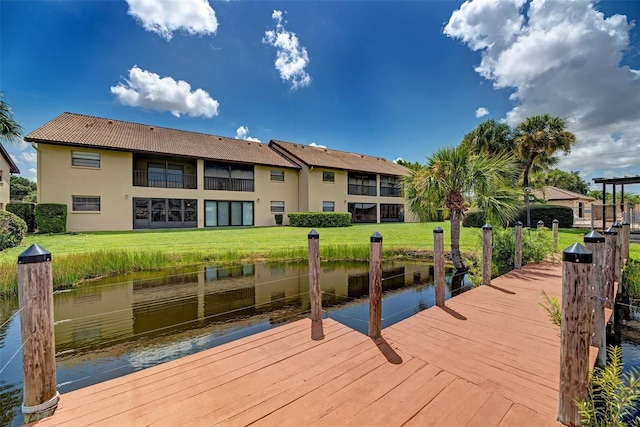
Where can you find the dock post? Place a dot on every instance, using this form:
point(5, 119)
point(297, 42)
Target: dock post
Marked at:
point(518, 255)
point(487, 242)
point(626, 231)
point(575, 332)
point(618, 270)
point(35, 296)
point(540, 224)
point(375, 286)
point(610, 238)
point(315, 294)
point(594, 242)
point(438, 265)
point(555, 235)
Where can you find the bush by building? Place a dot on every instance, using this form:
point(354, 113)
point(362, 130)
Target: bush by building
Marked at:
point(51, 217)
point(12, 230)
point(26, 211)
point(537, 212)
point(319, 219)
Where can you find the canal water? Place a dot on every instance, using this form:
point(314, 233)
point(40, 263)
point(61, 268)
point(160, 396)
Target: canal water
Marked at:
point(114, 326)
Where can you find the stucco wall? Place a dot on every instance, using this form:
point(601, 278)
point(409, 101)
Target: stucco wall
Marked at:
point(4, 183)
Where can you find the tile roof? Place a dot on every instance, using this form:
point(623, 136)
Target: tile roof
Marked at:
point(88, 131)
point(12, 166)
point(323, 157)
point(553, 193)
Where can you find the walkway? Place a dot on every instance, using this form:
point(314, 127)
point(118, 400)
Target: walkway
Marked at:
point(490, 358)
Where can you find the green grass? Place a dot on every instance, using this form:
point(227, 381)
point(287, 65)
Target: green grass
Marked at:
point(78, 256)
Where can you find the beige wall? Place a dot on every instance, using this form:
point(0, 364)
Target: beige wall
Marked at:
point(59, 181)
point(4, 183)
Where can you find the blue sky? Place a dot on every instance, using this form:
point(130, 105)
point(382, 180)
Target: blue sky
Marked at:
point(385, 78)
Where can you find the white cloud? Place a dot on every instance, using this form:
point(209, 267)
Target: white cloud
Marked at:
point(166, 16)
point(481, 112)
point(243, 133)
point(562, 58)
point(13, 157)
point(398, 159)
point(33, 174)
point(291, 57)
point(29, 157)
point(313, 144)
point(148, 90)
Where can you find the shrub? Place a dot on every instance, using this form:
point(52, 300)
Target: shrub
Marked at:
point(26, 211)
point(320, 219)
point(546, 213)
point(12, 230)
point(278, 218)
point(537, 245)
point(51, 217)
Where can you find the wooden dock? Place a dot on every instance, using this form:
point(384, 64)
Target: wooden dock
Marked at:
point(490, 358)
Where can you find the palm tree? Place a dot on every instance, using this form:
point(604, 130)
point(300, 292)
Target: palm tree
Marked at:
point(10, 129)
point(453, 173)
point(489, 137)
point(538, 139)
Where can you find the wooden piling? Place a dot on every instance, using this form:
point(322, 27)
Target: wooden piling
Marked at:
point(487, 244)
point(555, 235)
point(518, 254)
point(610, 243)
point(594, 242)
point(315, 292)
point(375, 286)
point(574, 332)
point(626, 231)
point(438, 265)
point(618, 269)
point(35, 296)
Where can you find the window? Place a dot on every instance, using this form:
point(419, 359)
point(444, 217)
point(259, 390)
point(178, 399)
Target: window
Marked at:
point(391, 213)
point(277, 175)
point(222, 213)
point(277, 206)
point(0, 177)
point(86, 203)
point(328, 206)
point(85, 159)
point(228, 176)
point(328, 176)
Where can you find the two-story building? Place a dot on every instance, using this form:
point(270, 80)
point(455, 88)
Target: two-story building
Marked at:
point(7, 167)
point(116, 175)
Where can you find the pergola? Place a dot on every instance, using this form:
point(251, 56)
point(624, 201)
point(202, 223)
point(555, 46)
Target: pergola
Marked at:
point(614, 182)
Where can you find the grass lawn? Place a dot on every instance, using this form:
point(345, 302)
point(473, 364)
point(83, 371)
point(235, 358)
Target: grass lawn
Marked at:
point(77, 256)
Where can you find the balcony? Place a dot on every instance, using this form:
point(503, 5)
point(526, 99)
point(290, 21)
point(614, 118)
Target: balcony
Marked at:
point(166, 179)
point(362, 190)
point(228, 184)
point(386, 191)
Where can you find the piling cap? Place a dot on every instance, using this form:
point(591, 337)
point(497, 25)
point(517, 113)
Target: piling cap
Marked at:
point(313, 234)
point(578, 254)
point(555, 221)
point(625, 222)
point(540, 222)
point(33, 254)
point(376, 237)
point(593, 237)
point(610, 230)
point(438, 230)
point(616, 225)
point(519, 223)
point(487, 227)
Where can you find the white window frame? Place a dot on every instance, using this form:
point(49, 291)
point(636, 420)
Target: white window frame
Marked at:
point(85, 202)
point(277, 175)
point(328, 206)
point(277, 206)
point(85, 159)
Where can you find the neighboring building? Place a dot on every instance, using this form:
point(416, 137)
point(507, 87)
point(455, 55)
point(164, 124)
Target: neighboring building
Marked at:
point(580, 203)
point(116, 175)
point(7, 167)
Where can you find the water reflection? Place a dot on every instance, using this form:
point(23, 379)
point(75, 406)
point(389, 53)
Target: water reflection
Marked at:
point(111, 327)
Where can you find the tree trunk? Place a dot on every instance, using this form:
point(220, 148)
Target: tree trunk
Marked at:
point(527, 168)
point(456, 257)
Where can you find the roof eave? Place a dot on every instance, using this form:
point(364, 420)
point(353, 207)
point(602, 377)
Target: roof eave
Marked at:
point(12, 166)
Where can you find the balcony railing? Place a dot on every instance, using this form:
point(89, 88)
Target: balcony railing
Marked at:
point(362, 190)
point(228, 184)
point(164, 180)
point(390, 191)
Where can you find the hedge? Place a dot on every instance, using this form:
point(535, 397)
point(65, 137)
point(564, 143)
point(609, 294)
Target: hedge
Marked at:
point(546, 213)
point(319, 219)
point(12, 230)
point(51, 217)
point(26, 211)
